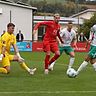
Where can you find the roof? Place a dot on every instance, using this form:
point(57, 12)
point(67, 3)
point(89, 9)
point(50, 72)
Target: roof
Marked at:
point(85, 11)
point(63, 20)
point(18, 5)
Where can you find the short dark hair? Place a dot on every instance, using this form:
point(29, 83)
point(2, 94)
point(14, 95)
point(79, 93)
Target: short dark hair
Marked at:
point(10, 24)
point(56, 14)
point(70, 22)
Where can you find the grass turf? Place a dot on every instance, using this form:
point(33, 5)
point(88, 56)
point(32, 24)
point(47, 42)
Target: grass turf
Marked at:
point(56, 83)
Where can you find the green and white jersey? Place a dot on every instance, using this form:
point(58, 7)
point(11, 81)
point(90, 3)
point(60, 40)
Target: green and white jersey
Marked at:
point(67, 36)
point(93, 35)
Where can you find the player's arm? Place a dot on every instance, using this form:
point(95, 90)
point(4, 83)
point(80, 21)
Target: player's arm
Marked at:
point(91, 35)
point(59, 42)
point(45, 23)
point(58, 34)
point(3, 43)
point(3, 52)
point(74, 41)
point(15, 49)
point(17, 52)
point(88, 41)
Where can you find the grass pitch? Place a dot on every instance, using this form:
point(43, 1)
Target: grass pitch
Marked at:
point(56, 83)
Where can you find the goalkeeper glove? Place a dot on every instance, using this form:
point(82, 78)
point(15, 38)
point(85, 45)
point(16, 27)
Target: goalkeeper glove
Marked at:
point(1, 56)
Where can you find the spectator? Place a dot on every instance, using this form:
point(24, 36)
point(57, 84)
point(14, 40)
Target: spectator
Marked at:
point(81, 37)
point(77, 36)
point(19, 37)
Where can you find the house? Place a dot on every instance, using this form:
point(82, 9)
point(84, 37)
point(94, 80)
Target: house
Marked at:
point(86, 14)
point(63, 22)
point(18, 13)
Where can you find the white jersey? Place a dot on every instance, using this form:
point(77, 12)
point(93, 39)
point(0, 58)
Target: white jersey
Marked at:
point(67, 36)
point(93, 35)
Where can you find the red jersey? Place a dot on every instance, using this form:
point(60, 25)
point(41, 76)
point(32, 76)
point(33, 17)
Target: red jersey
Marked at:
point(52, 29)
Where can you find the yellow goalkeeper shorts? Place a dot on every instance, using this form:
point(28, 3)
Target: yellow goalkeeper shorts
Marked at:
point(6, 60)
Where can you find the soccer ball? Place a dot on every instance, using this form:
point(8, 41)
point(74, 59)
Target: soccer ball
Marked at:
point(71, 73)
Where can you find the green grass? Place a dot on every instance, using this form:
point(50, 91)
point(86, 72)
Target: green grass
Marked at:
point(56, 83)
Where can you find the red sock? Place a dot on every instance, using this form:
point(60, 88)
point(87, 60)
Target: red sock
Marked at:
point(54, 58)
point(47, 61)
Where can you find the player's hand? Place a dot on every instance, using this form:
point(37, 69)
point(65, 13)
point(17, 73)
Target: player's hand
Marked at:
point(75, 46)
point(89, 41)
point(60, 44)
point(34, 32)
point(1, 56)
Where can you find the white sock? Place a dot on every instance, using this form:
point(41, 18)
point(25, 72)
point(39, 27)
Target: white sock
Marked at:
point(82, 66)
point(94, 66)
point(71, 62)
point(52, 64)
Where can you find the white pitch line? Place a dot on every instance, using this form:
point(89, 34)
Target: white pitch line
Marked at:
point(46, 92)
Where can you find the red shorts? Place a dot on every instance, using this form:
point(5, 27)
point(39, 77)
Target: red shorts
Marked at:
point(50, 46)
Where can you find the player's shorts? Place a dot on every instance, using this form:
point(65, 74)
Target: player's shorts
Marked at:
point(6, 60)
point(92, 51)
point(66, 49)
point(48, 46)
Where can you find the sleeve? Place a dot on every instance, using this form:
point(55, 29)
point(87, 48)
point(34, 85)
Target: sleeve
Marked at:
point(58, 34)
point(91, 33)
point(61, 33)
point(4, 40)
point(46, 23)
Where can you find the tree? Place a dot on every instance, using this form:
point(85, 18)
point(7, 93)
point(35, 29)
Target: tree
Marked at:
point(67, 8)
point(85, 28)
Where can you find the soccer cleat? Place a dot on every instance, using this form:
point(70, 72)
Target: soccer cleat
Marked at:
point(50, 68)
point(32, 71)
point(46, 71)
point(95, 69)
point(75, 75)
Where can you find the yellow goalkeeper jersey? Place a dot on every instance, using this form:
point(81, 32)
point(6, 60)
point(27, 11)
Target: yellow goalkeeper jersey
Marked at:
point(8, 40)
point(0, 45)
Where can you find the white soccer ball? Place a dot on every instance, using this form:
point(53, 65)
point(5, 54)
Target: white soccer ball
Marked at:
point(71, 73)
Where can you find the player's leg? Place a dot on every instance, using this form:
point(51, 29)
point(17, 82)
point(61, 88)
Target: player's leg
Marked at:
point(47, 57)
point(3, 70)
point(22, 64)
point(46, 48)
point(83, 65)
point(61, 49)
point(70, 51)
point(93, 55)
point(93, 62)
point(55, 49)
point(6, 65)
point(87, 59)
point(55, 57)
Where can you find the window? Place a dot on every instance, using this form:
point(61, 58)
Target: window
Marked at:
point(0, 10)
point(41, 32)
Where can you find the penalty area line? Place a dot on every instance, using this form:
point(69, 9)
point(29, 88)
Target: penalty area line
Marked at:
point(45, 92)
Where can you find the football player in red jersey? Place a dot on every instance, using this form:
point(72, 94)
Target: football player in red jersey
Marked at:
point(50, 43)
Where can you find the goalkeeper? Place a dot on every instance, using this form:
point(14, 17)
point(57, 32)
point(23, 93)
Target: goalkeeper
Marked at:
point(6, 41)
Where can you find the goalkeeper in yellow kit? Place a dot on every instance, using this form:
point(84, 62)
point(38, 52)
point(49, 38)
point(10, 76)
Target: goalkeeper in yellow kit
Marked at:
point(6, 41)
